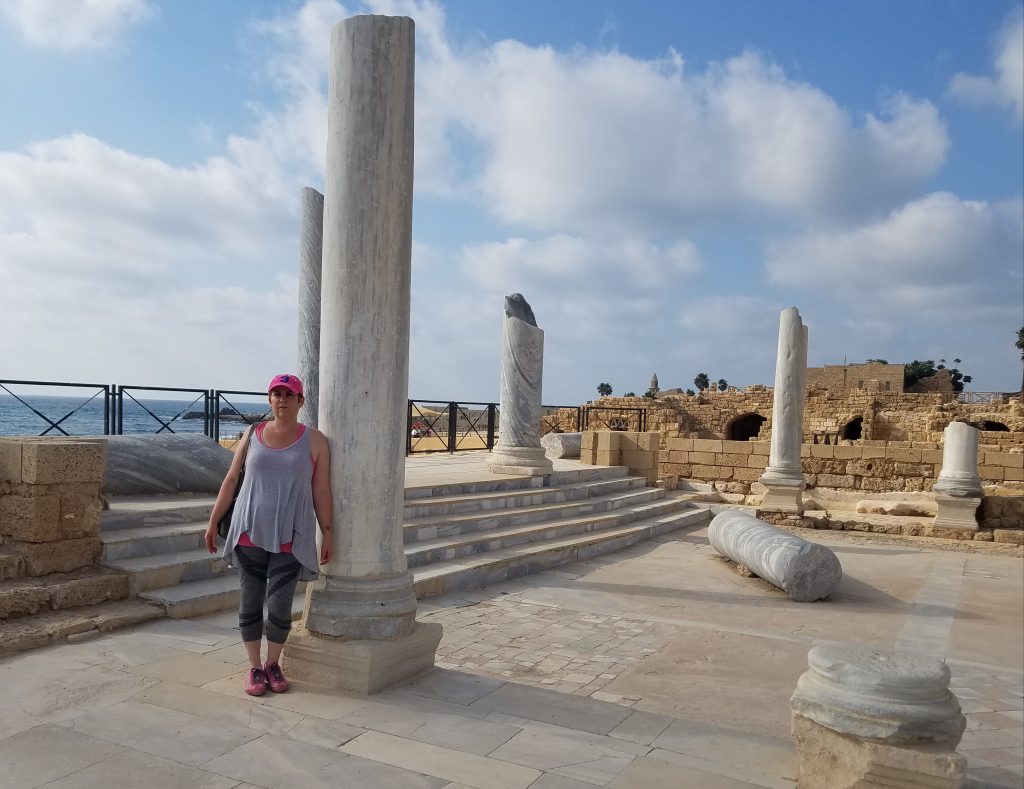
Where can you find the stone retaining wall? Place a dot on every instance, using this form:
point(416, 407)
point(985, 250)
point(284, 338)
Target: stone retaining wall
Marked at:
point(50, 505)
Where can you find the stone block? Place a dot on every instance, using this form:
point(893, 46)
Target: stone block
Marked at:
point(760, 448)
point(903, 454)
point(677, 456)
point(1010, 460)
point(681, 444)
point(867, 453)
point(22, 600)
point(846, 453)
point(757, 461)
point(30, 518)
point(829, 759)
point(957, 512)
point(933, 456)
point(996, 473)
point(1013, 474)
point(877, 484)
point(707, 445)
point(914, 469)
point(746, 474)
point(607, 458)
point(822, 450)
point(51, 462)
point(805, 450)
point(728, 459)
point(636, 459)
point(711, 472)
point(737, 447)
point(845, 481)
point(607, 440)
point(89, 591)
point(589, 440)
point(10, 460)
point(1013, 536)
point(704, 458)
point(873, 467)
point(59, 557)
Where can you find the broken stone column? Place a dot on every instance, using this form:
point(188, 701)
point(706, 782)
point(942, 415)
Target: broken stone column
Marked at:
point(804, 570)
point(311, 245)
point(518, 450)
point(783, 476)
point(359, 630)
point(562, 445)
point(864, 716)
point(958, 490)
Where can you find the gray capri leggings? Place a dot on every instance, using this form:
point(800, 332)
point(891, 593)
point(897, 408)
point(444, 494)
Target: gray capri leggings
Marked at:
point(259, 569)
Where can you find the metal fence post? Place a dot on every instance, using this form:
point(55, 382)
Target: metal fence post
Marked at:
point(491, 413)
point(453, 424)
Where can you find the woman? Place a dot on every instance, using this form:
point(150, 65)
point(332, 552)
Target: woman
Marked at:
point(285, 492)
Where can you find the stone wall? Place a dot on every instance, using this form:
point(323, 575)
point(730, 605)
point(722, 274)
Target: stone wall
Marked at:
point(50, 505)
point(637, 451)
point(841, 378)
point(879, 467)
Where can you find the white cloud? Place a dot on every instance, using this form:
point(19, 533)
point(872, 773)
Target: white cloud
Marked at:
point(936, 251)
point(625, 265)
point(75, 25)
point(1006, 85)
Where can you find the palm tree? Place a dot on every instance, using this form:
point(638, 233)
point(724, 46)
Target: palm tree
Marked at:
point(604, 389)
point(702, 382)
point(722, 384)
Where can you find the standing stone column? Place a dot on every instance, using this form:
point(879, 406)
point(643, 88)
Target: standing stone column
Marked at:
point(958, 491)
point(311, 244)
point(518, 450)
point(783, 476)
point(358, 630)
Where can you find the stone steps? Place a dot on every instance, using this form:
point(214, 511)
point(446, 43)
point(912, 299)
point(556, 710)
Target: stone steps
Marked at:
point(418, 529)
point(49, 627)
point(460, 545)
point(462, 504)
point(60, 591)
point(507, 563)
point(457, 534)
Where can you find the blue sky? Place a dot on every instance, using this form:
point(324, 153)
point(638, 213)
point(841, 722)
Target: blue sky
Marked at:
point(659, 179)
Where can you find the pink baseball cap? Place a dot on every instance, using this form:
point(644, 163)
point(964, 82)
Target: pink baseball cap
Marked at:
point(289, 382)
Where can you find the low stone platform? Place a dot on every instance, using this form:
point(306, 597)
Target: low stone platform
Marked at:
point(645, 668)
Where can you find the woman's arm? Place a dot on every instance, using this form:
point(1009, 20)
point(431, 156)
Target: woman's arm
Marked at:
point(323, 502)
point(227, 491)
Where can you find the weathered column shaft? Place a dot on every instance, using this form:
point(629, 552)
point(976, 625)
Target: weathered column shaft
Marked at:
point(518, 450)
point(311, 244)
point(788, 397)
point(959, 474)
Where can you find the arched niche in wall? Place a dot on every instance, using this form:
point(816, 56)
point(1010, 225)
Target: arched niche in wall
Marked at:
point(853, 430)
point(745, 427)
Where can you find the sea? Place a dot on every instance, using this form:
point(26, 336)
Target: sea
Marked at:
point(57, 415)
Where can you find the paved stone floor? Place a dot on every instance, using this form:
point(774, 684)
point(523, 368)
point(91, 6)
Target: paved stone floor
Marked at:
point(657, 666)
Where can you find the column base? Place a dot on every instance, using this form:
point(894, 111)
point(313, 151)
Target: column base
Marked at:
point(956, 512)
point(782, 497)
point(829, 759)
point(361, 666)
point(521, 461)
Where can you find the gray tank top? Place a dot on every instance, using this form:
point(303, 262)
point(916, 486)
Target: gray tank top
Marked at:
point(275, 503)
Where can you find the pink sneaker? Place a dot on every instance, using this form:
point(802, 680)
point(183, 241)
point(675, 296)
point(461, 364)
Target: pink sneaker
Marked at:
point(275, 677)
point(256, 684)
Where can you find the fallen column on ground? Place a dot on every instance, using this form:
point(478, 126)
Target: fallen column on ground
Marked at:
point(864, 716)
point(783, 477)
point(311, 245)
point(562, 445)
point(518, 450)
point(958, 491)
point(359, 630)
point(804, 570)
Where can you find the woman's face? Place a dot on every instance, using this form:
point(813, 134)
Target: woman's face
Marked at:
point(284, 402)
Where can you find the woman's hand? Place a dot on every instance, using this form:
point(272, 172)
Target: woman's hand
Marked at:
point(211, 538)
point(326, 549)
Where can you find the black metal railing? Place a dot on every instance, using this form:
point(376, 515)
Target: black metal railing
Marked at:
point(560, 419)
point(165, 423)
point(224, 410)
point(450, 426)
point(56, 422)
point(597, 417)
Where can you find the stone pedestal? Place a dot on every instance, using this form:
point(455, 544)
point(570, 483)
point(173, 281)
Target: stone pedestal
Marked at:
point(360, 614)
point(783, 477)
point(805, 570)
point(518, 450)
point(958, 491)
point(869, 717)
point(311, 245)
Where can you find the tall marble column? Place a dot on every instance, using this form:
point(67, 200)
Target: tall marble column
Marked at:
point(783, 476)
point(358, 630)
point(311, 244)
point(958, 490)
point(518, 450)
